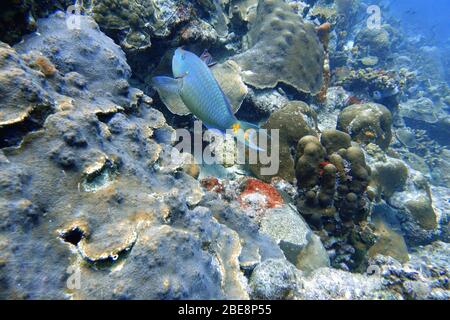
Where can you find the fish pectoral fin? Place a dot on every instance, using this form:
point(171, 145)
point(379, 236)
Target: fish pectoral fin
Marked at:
point(169, 92)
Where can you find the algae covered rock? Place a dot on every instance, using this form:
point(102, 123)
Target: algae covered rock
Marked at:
point(23, 96)
point(420, 220)
point(275, 279)
point(313, 256)
point(228, 75)
point(73, 52)
point(389, 243)
point(367, 123)
point(282, 49)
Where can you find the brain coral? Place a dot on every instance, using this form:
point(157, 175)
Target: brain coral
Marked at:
point(282, 48)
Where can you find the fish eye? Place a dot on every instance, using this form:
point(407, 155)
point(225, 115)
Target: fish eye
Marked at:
point(183, 56)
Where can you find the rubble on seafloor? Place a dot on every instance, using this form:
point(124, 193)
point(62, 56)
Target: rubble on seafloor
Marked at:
point(94, 205)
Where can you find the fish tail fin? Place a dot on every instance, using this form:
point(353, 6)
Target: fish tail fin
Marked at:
point(251, 135)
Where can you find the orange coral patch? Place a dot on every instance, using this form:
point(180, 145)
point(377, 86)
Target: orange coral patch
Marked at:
point(254, 186)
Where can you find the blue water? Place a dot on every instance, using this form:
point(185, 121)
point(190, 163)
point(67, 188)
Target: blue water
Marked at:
point(425, 22)
point(428, 18)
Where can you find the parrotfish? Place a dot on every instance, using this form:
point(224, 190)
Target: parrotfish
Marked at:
point(193, 89)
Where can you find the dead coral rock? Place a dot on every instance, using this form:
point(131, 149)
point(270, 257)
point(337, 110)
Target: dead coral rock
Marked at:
point(282, 48)
point(367, 123)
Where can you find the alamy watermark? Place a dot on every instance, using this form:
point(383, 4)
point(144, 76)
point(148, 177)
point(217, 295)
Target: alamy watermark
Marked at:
point(258, 147)
point(374, 20)
point(74, 280)
point(73, 17)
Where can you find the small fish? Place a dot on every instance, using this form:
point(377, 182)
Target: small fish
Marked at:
point(379, 95)
point(195, 90)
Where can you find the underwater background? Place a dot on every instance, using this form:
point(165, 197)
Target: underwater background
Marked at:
point(97, 201)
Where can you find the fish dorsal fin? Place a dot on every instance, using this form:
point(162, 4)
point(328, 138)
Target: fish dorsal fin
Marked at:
point(169, 92)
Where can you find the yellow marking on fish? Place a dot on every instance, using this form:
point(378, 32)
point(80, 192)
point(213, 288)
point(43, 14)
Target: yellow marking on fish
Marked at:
point(236, 127)
point(246, 134)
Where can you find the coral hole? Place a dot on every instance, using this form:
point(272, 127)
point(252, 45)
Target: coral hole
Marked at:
point(72, 236)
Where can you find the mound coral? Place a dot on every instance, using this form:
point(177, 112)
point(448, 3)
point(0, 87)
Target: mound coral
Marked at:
point(376, 41)
point(282, 49)
point(294, 121)
point(367, 123)
point(333, 179)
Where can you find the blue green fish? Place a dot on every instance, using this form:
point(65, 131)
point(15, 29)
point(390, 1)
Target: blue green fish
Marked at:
point(195, 90)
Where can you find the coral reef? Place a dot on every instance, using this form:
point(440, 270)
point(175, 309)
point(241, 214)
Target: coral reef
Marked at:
point(19, 17)
point(332, 181)
point(377, 41)
point(117, 197)
point(97, 202)
point(136, 21)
